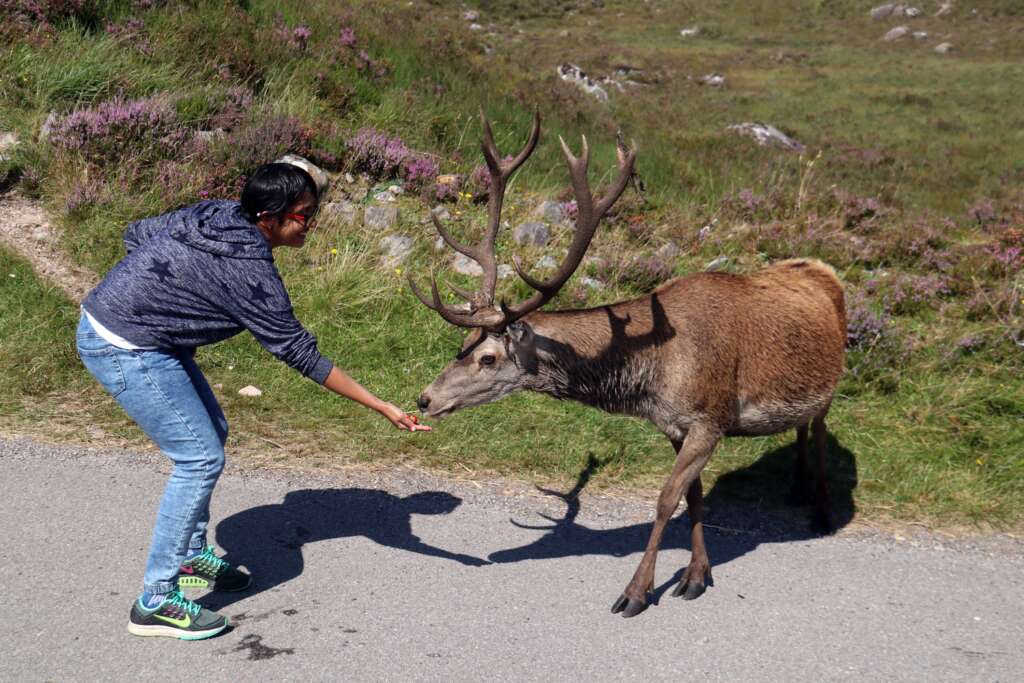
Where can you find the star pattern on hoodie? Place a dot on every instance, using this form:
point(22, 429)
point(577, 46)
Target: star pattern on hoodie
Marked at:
point(258, 294)
point(162, 269)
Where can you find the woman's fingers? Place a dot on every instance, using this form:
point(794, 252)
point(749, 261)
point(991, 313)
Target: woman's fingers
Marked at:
point(412, 423)
point(404, 420)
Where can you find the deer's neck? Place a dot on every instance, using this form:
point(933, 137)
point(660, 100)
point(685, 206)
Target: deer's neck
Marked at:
point(578, 359)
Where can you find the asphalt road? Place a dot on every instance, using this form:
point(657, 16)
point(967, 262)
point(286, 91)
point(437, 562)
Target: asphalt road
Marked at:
point(402, 576)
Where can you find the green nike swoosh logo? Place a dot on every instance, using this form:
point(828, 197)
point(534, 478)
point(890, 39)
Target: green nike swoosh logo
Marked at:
point(180, 623)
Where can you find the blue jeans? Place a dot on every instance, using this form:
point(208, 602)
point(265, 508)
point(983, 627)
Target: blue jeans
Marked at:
point(165, 393)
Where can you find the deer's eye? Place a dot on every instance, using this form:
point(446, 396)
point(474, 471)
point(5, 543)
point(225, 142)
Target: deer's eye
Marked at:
point(487, 360)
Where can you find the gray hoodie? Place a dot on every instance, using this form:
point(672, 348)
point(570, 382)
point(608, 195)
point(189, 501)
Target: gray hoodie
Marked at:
point(200, 275)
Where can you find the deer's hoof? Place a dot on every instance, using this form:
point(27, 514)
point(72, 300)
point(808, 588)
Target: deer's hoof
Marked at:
point(689, 590)
point(630, 607)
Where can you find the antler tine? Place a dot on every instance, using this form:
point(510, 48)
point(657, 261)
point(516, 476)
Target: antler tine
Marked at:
point(434, 303)
point(627, 159)
point(449, 240)
point(493, 156)
point(464, 293)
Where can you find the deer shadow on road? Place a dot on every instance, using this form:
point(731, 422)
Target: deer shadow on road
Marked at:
point(745, 508)
point(268, 539)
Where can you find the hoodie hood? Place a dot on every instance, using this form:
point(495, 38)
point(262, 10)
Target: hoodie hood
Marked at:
point(220, 227)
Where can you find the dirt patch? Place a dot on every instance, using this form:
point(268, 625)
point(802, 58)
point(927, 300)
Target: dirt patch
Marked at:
point(26, 230)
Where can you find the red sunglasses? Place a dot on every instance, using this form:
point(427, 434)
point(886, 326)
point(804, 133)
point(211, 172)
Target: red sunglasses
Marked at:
point(299, 218)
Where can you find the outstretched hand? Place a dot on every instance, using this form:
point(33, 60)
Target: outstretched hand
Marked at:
point(402, 419)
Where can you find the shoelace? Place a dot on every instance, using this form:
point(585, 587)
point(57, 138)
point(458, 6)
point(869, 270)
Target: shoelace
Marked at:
point(179, 600)
point(214, 563)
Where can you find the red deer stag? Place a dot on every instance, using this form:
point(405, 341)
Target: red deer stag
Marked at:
point(702, 357)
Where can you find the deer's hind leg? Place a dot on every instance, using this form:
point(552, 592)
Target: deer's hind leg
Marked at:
point(800, 492)
point(822, 505)
point(692, 584)
point(697, 447)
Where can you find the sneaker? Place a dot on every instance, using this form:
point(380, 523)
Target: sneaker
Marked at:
point(206, 570)
point(175, 617)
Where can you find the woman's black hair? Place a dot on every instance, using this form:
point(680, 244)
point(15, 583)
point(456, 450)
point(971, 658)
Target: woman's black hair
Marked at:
point(272, 188)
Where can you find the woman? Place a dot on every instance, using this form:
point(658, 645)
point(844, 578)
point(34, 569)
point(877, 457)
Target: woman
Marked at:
point(193, 277)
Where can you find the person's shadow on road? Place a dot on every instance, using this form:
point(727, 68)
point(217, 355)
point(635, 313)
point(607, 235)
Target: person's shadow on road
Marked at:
point(268, 539)
point(745, 508)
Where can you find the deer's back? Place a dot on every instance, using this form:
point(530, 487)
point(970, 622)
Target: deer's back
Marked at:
point(761, 352)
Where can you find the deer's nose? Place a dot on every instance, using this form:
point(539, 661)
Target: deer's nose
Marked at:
point(423, 402)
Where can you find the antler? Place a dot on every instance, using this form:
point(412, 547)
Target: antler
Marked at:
point(481, 304)
point(482, 311)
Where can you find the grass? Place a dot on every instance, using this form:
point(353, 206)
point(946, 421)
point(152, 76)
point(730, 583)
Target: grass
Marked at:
point(928, 429)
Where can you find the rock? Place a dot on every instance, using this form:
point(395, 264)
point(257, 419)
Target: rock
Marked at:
point(766, 135)
point(476, 27)
point(573, 74)
point(218, 386)
point(466, 266)
point(250, 391)
point(47, 127)
point(315, 172)
point(883, 11)
point(346, 211)
point(715, 80)
point(470, 15)
point(439, 244)
point(8, 141)
point(689, 32)
point(380, 217)
point(944, 48)
point(440, 212)
point(669, 251)
point(920, 35)
point(449, 179)
point(546, 263)
point(533, 233)
point(591, 283)
point(383, 197)
point(895, 33)
point(891, 9)
point(717, 264)
point(944, 9)
point(207, 136)
point(349, 178)
point(396, 190)
point(505, 271)
point(397, 249)
point(550, 211)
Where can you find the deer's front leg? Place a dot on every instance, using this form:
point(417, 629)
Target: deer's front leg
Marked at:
point(691, 458)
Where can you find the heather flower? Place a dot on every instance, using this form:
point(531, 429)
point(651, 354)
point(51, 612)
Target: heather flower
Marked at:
point(347, 38)
point(911, 292)
point(570, 209)
point(419, 171)
point(373, 152)
point(857, 210)
point(970, 343)
point(116, 127)
point(864, 327)
point(236, 103)
point(300, 36)
point(1008, 249)
point(83, 195)
point(983, 211)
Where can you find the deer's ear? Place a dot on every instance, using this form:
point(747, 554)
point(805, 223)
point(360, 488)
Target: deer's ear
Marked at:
point(519, 332)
